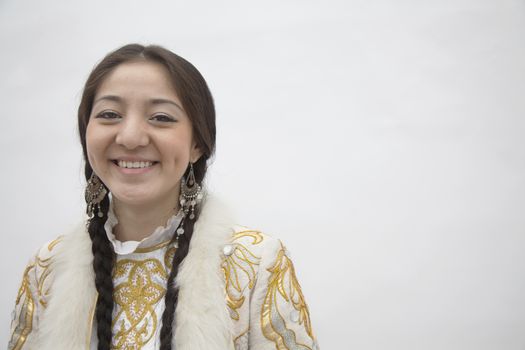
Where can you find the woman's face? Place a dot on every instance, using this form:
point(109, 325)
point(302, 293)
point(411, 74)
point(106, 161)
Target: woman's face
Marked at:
point(139, 139)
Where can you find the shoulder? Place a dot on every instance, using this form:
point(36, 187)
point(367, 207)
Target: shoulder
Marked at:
point(253, 247)
point(249, 255)
point(44, 259)
point(34, 289)
point(49, 249)
point(39, 267)
point(58, 254)
point(43, 262)
point(264, 297)
point(73, 244)
point(244, 257)
point(40, 262)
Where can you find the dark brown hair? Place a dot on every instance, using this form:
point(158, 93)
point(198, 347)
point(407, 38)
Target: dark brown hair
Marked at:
point(198, 104)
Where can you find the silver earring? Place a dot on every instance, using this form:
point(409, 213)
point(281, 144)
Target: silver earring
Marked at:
point(190, 196)
point(94, 194)
point(190, 193)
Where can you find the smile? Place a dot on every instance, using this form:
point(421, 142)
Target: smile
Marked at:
point(134, 168)
point(133, 165)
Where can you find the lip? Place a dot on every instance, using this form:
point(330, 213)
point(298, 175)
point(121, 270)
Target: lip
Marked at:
point(134, 171)
point(133, 159)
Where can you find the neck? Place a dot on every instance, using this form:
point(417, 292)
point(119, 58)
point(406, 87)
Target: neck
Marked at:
point(136, 222)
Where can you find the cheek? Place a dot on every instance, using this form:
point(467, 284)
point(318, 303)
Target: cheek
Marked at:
point(177, 151)
point(177, 147)
point(94, 144)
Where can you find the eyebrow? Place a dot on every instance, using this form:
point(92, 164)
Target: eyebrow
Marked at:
point(153, 101)
point(156, 101)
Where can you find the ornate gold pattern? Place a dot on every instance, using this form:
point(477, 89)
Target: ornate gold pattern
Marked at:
point(43, 292)
point(241, 341)
point(53, 243)
point(139, 286)
point(168, 257)
point(44, 264)
point(24, 321)
point(256, 235)
point(283, 287)
point(25, 302)
point(241, 335)
point(242, 260)
point(137, 297)
point(152, 248)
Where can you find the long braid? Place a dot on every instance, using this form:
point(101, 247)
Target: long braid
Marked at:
point(103, 261)
point(172, 292)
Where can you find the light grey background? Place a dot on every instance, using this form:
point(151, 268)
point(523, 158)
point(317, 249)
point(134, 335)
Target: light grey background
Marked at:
point(383, 141)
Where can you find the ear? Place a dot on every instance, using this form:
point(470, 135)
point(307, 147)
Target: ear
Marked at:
point(195, 153)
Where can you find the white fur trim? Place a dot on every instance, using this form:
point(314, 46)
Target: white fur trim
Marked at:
point(202, 321)
point(66, 321)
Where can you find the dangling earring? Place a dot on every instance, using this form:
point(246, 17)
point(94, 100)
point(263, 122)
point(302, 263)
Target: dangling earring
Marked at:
point(190, 193)
point(94, 194)
point(190, 196)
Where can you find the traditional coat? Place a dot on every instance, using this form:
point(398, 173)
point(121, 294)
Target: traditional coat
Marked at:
point(237, 290)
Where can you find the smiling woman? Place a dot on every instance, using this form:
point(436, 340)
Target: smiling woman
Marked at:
point(158, 263)
point(139, 143)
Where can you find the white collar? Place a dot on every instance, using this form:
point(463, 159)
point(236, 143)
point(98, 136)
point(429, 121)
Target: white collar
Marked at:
point(159, 235)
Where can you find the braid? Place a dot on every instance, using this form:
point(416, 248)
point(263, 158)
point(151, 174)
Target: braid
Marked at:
point(103, 260)
point(172, 292)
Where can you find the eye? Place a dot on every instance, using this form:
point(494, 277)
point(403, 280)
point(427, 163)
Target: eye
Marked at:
point(163, 118)
point(108, 115)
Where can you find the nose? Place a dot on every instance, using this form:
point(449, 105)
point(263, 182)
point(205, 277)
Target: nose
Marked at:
point(132, 133)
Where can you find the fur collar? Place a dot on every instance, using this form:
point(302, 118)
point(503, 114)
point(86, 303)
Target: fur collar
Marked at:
point(201, 321)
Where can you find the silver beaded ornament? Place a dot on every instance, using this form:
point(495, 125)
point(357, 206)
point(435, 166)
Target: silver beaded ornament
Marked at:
point(94, 194)
point(190, 196)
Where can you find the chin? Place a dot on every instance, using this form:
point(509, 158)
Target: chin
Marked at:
point(133, 197)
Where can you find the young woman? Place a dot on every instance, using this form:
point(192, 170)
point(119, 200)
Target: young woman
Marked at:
point(158, 263)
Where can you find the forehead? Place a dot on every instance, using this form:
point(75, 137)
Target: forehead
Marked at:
point(138, 79)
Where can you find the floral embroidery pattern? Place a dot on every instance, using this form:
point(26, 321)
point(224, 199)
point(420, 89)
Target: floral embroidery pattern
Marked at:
point(284, 289)
point(136, 321)
point(25, 303)
point(24, 316)
point(241, 261)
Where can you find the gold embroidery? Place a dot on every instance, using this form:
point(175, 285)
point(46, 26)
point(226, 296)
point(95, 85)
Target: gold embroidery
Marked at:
point(256, 235)
point(283, 284)
point(242, 260)
point(44, 264)
point(25, 302)
point(52, 245)
point(152, 248)
point(141, 288)
point(168, 257)
point(25, 315)
point(241, 341)
point(90, 323)
point(242, 334)
point(136, 322)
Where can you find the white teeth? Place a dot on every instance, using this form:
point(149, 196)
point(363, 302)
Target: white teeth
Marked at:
point(134, 165)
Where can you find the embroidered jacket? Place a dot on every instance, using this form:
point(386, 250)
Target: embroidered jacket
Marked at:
point(237, 290)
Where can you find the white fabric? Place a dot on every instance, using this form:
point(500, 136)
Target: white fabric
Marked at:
point(160, 234)
point(151, 323)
